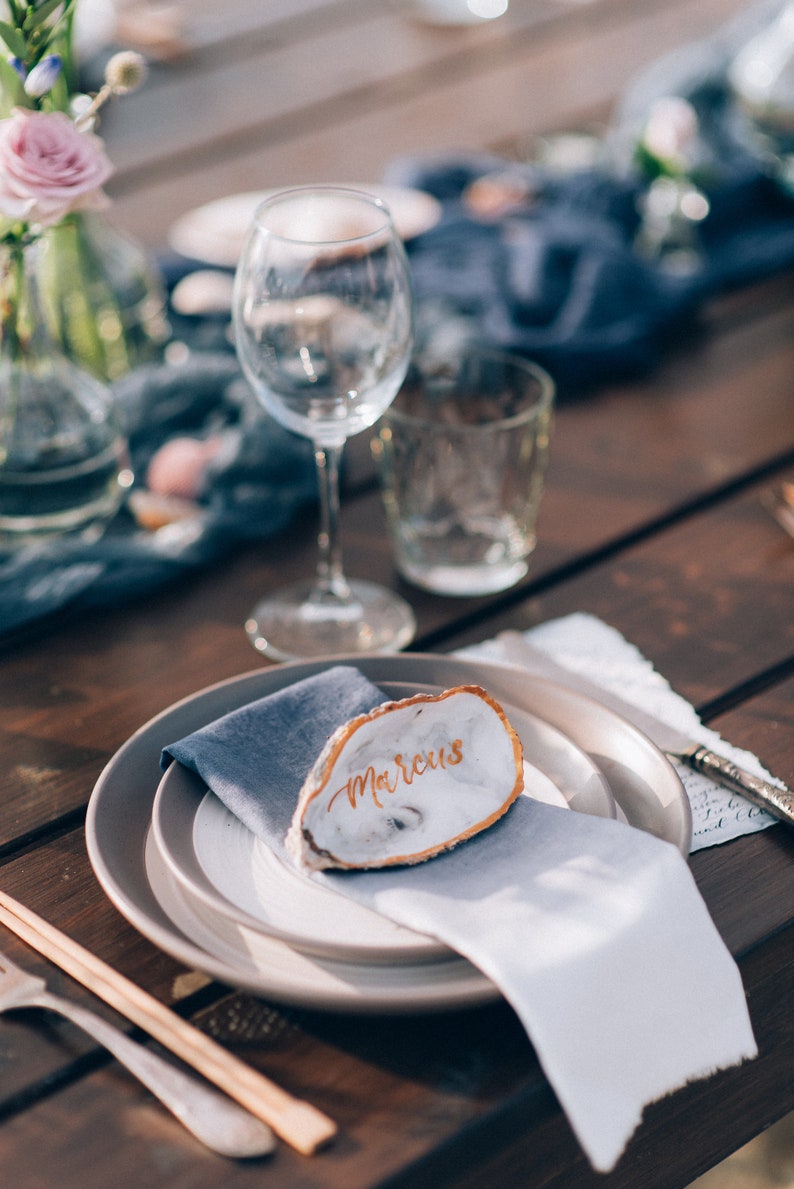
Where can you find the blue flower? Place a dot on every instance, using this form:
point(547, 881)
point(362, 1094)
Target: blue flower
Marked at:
point(17, 64)
point(43, 76)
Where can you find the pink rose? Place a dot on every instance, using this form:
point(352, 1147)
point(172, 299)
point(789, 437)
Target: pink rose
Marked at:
point(48, 168)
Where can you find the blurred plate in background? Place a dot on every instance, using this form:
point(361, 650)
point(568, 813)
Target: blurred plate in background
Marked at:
point(214, 233)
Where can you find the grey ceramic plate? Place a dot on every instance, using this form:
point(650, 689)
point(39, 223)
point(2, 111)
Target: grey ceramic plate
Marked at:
point(642, 781)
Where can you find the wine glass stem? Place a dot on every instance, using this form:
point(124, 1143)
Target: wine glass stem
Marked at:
point(330, 580)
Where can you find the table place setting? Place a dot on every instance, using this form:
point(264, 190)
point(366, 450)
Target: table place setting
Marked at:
point(502, 911)
point(541, 907)
point(214, 234)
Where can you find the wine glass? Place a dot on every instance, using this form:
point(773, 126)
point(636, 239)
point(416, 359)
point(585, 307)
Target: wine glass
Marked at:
point(323, 325)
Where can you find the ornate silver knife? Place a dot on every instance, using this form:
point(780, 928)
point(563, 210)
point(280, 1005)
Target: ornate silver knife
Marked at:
point(776, 798)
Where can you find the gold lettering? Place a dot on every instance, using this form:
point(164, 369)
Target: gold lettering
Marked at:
point(383, 782)
point(372, 783)
point(356, 787)
point(406, 775)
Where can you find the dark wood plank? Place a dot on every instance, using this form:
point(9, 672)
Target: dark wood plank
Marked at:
point(708, 600)
point(708, 1120)
point(342, 106)
point(473, 1078)
point(108, 675)
point(467, 1062)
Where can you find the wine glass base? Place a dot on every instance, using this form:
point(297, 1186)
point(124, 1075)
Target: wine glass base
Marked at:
point(298, 624)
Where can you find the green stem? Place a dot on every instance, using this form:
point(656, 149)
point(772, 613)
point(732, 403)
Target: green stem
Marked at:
point(14, 303)
point(75, 308)
point(15, 333)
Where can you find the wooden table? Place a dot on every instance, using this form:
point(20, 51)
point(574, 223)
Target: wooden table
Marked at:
point(653, 520)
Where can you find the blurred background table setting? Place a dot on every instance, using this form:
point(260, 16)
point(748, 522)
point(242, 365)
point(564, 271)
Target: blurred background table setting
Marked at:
point(558, 296)
point(566, 250)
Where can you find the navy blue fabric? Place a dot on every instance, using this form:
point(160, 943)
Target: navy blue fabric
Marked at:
point(262, 477)
point(559, 280)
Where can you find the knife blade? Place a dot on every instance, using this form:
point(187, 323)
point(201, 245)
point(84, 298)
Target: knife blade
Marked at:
point(776, 798)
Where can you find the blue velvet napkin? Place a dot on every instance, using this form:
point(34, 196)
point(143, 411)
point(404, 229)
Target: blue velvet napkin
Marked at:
point(256, 759)
point(595, 932)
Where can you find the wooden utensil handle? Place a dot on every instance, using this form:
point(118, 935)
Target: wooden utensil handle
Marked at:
point(297, 1122)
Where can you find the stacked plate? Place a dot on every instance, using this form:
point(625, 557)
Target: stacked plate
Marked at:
point(196, 882)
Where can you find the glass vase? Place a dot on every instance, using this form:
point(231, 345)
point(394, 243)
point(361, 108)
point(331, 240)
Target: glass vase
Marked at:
point(63, 455)
point(103, 299)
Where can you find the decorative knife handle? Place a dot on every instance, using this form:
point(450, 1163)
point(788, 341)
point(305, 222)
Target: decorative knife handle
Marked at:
point(777, 799)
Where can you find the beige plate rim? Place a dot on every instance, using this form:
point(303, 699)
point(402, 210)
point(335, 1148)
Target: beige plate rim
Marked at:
point(214, 232)
point(644, 783)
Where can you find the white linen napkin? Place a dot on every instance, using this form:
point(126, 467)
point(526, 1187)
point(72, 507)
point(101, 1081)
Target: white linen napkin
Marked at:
point(585, 644)
point(598, 937)
point(595, 932)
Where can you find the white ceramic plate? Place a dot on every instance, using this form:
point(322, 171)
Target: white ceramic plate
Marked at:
point(219, 862)
point(248, 958)
point(645, 785)
point(214, 233)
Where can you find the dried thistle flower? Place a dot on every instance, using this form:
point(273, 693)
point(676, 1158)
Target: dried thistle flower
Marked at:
point(125, 72)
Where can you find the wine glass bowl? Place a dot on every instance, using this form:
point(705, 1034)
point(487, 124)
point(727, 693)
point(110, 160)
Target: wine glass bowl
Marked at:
point(323, 326)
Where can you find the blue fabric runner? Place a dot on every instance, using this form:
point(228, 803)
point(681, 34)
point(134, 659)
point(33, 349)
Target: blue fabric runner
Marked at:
point(558, 278)
point(262, 477)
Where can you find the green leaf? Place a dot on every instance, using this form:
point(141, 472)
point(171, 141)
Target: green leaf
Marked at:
point(14, 40)
point(59, 95)
point(647, 163)
point(11, 93)
point(38, 16)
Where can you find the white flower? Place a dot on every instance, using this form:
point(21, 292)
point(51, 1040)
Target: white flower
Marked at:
point(671, 131)
point(43, 76)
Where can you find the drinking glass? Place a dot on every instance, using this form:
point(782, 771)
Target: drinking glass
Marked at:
point(462, 455)
point(323, 325)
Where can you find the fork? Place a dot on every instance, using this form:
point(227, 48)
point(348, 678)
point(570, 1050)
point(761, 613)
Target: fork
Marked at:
point(218, 1122)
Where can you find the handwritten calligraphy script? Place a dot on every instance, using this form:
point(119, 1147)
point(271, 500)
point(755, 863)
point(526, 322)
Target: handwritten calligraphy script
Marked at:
point(401, 771)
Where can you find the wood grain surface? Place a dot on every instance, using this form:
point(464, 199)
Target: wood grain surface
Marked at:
point(653, 519)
